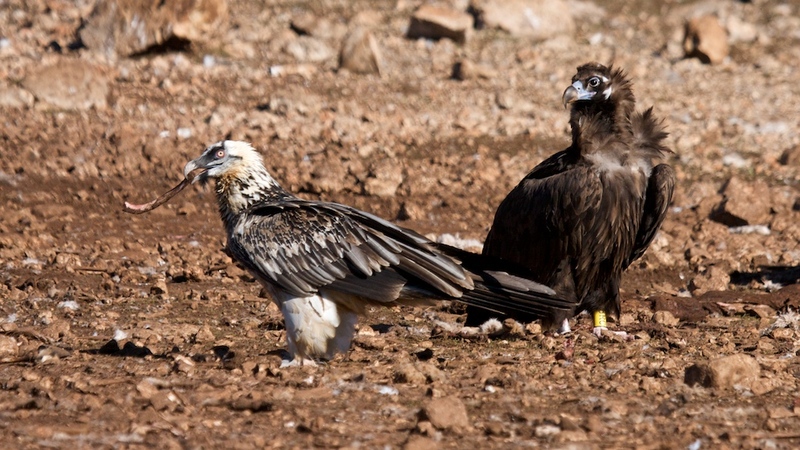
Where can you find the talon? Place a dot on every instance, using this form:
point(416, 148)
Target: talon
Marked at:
point(564, 328)
point(598, 331)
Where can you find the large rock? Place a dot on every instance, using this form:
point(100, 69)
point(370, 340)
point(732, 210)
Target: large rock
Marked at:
point(360, 53)
point(70, 84)
point(726, 372)
point(537, 19)
point(128, 27)
point(436, 22)
point(706, 39)
point(743, 203)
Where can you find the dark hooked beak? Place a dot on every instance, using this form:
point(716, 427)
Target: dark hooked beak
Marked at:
point(189, 171)
point(575, 93)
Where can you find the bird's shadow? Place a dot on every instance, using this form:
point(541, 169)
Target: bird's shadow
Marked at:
point(779, 275)
point(129, 349)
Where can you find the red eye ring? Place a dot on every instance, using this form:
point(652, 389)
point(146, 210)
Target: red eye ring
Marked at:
point(220, 154)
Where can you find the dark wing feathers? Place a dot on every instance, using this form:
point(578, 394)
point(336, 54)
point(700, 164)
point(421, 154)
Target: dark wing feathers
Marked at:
point(303, 246)
point(658, 196)
point(545, 215)
point(648, 136)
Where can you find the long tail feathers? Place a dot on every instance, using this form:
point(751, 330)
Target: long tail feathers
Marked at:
point(505, 288)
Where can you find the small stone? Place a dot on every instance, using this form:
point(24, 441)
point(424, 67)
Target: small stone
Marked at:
point(432, 373)
point(410, 211)
point(147, 389)
point(8, 347)
point(15, 97)
point(762, 386)
point(779, 412)
point(164, 401)
point(360, 52)
point(546, 431)
point(665, 318)
point(790, 156)
point(782, 334)
point(496, 429)
point(447, 413)
point(204, 335)
point(426, 428)
point(309, 49)
point(740, 31)
point(436, 22)
point(714, 279)
point(329, 177)
point(385, 177)
point(760, 311)
point(319, 27)
point(467, 70)
point(183, 364)
point(187, 209)
point(534, 328)
point(706, 39)
point(158, 286)
point(407, 373)
point(725, 372)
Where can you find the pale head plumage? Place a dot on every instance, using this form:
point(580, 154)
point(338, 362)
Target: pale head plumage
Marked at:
point(242, 179)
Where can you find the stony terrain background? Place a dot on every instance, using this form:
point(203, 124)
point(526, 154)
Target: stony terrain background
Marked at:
point(128, 331)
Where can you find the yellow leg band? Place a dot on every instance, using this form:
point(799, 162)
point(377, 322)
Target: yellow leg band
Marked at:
point(599, 318)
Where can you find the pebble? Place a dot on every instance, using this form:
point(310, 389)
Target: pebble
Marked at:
point(447, 413)
point(468, 70)
point(309, 49)
point(713, 279)
point(407, 373)
point(360, 52)
point(15, 97)
point(546, 431)
point(384, 180)
point(417, 442)
point(665, 318)
point(8, 347)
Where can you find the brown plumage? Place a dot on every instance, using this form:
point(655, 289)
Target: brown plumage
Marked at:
point(583, 215)
point(325, 263)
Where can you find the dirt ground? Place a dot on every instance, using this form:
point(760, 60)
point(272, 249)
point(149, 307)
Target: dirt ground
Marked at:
point(120, 331)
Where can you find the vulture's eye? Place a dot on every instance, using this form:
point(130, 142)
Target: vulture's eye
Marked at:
point(594, 81)
point(220, 154)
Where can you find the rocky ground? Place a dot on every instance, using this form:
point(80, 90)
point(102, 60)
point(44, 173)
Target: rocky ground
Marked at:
point(128, 331)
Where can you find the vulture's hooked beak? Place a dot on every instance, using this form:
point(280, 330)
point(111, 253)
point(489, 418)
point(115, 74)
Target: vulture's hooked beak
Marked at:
point(575, 93)
point(189, 171)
